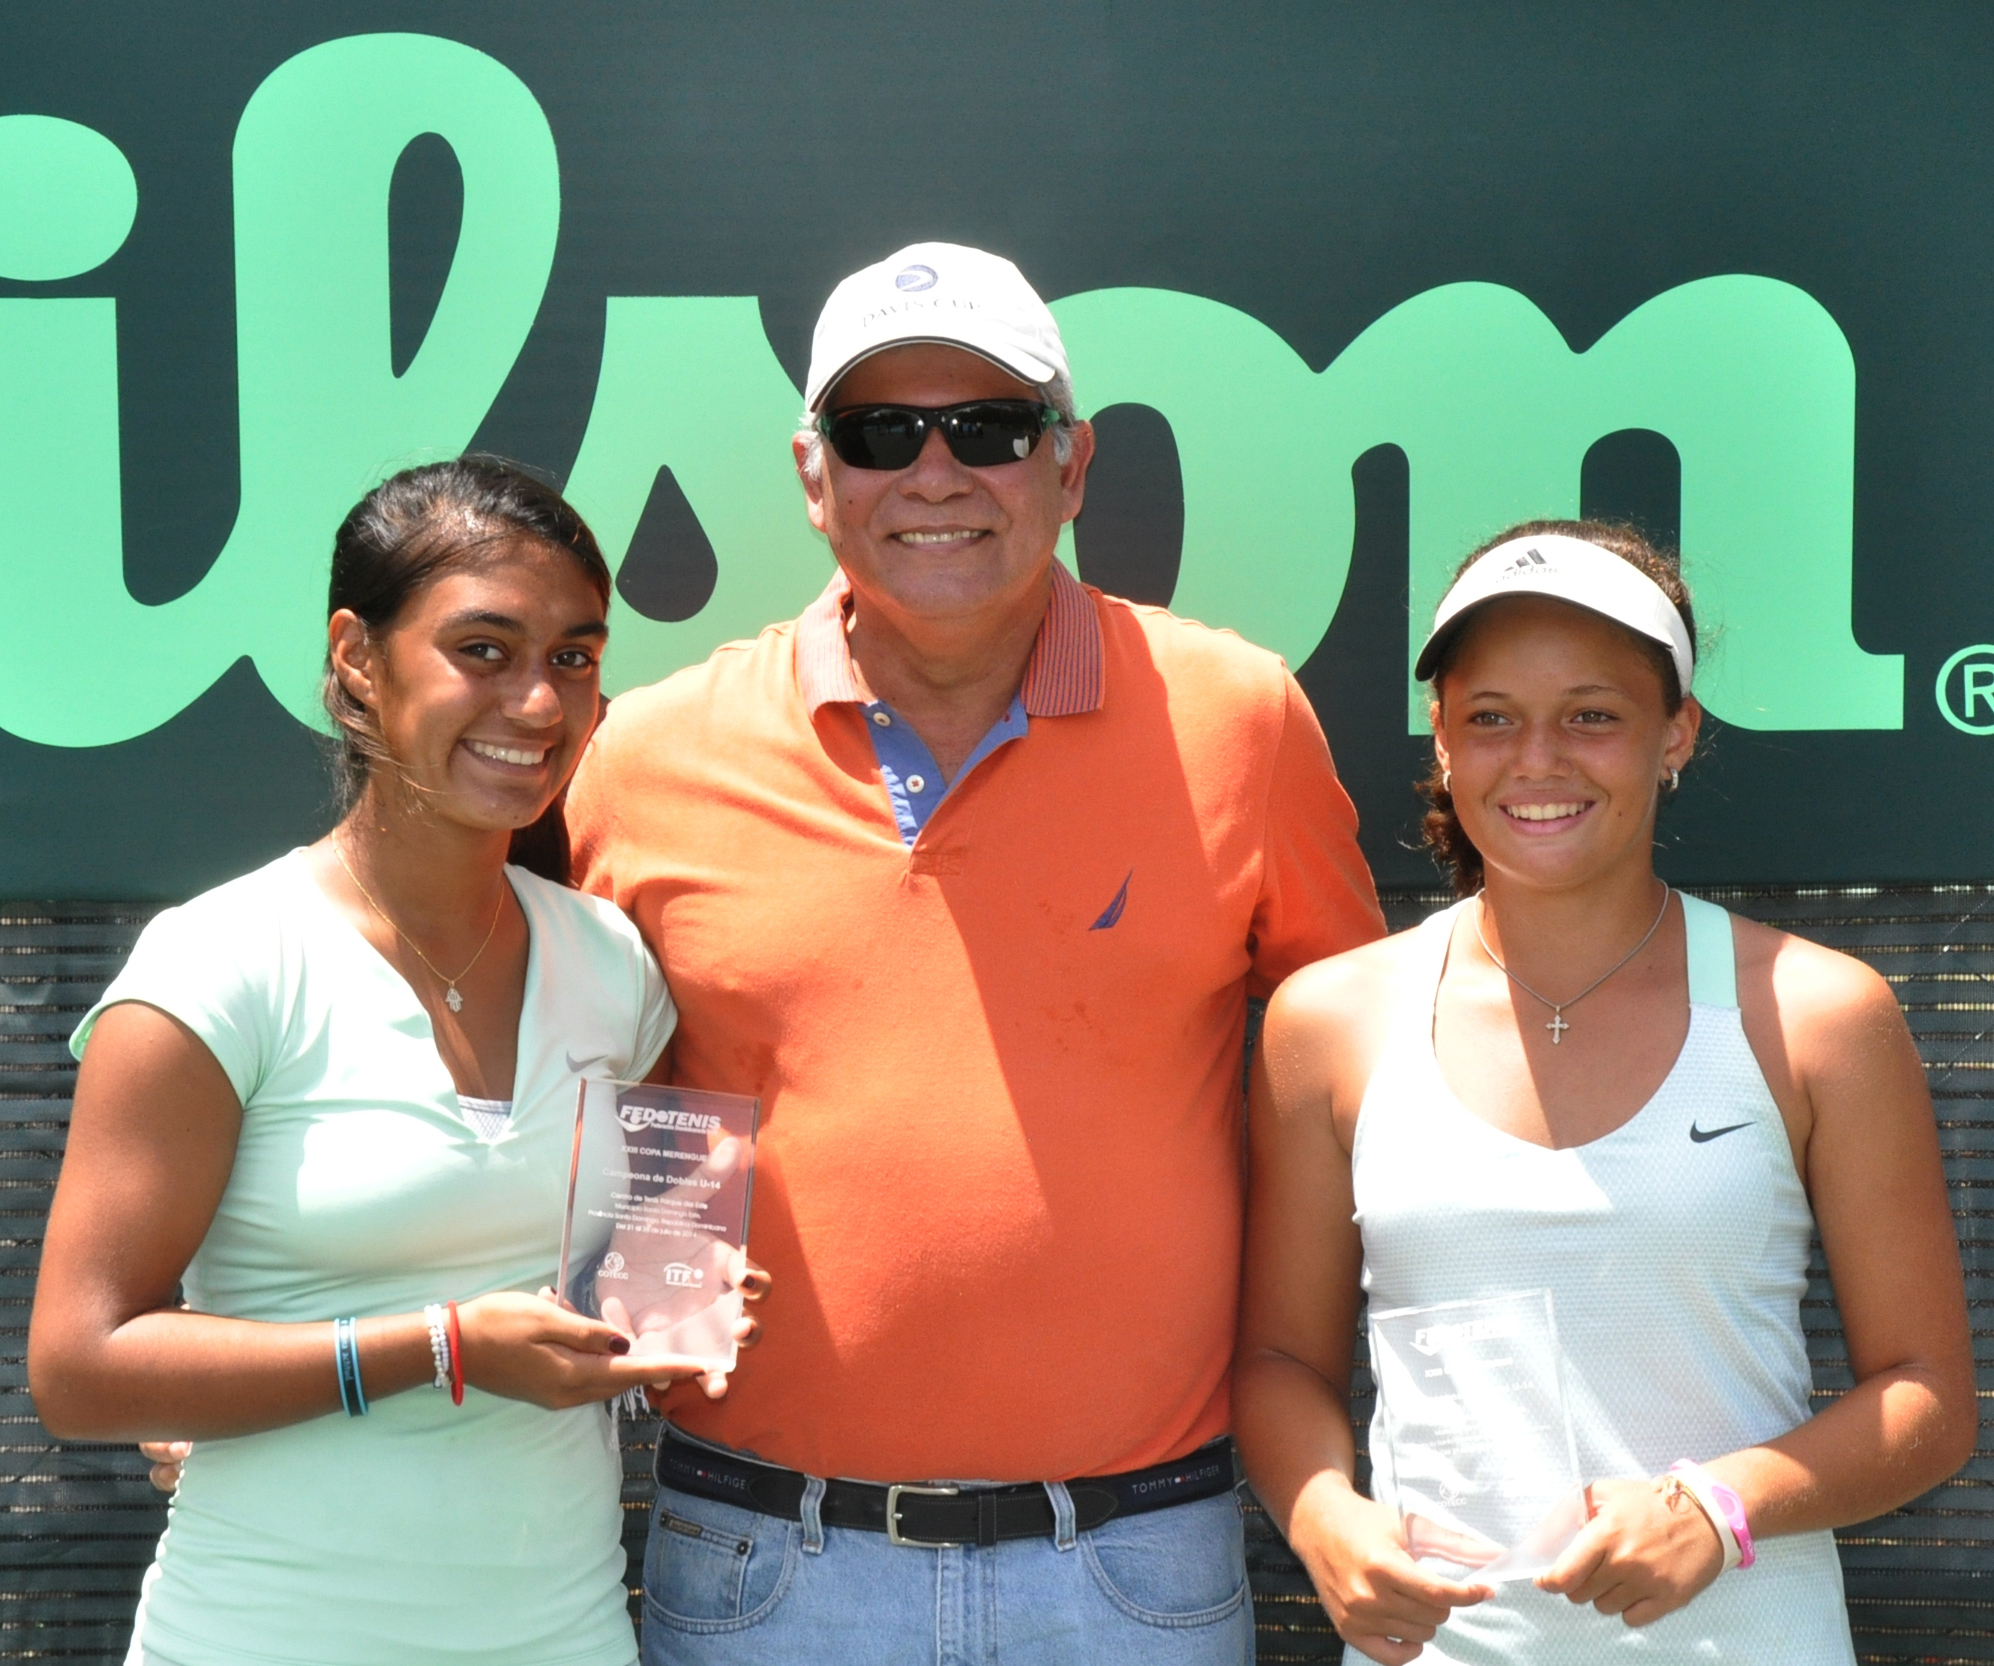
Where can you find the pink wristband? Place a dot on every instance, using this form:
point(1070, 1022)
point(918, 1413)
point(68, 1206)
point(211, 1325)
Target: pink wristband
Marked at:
point(1724, 1507)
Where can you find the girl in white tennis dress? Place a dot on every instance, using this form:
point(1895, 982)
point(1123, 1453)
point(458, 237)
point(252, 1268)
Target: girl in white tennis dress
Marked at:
point(1576, 1081)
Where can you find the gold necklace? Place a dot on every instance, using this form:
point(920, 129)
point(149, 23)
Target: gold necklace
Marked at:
point(451, 998)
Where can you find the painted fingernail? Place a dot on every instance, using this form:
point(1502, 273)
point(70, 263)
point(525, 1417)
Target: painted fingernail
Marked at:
point(619, 1344)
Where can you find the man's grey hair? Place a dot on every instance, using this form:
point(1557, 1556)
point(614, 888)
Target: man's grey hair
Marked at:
point(1058, 393)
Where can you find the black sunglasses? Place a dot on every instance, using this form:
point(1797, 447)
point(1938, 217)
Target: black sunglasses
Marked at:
point(981, 433)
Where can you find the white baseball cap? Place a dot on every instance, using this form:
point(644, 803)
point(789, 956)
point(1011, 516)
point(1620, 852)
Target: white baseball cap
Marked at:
point(1566, 569)
point(940, 292)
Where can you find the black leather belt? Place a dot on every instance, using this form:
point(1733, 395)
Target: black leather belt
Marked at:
point(935, 1516)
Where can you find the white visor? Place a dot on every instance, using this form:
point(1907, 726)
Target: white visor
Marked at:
point(1571, 570)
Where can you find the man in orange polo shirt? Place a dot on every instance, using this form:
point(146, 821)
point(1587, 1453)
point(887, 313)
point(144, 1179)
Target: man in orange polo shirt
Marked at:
point(968, 874)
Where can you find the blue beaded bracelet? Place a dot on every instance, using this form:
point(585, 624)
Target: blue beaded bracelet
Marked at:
point(346, 1361)
point(339, 1364)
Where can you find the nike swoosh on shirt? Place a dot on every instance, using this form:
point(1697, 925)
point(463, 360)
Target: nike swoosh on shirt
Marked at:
point(1700, 1135)
point(582, 1067)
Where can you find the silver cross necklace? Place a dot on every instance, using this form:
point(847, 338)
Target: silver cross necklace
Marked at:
point(1558, 1026)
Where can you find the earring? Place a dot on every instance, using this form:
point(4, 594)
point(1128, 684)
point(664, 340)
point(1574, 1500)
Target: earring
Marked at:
point(1675, 779)
point(1447, 780)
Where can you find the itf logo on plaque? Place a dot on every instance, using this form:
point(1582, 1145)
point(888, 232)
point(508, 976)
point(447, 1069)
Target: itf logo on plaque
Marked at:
point(1965, 690)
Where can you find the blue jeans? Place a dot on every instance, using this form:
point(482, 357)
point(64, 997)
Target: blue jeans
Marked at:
point(725, 1586)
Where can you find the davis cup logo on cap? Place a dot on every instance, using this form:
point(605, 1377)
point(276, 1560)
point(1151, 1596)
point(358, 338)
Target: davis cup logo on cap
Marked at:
point(1567, 569)
point(936, 292)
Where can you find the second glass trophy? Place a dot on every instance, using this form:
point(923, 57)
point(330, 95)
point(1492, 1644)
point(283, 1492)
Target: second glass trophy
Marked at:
point(656, 1234)
point(1478, 1452)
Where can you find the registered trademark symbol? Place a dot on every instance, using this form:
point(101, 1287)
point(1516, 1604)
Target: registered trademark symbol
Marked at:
point(1976, 668)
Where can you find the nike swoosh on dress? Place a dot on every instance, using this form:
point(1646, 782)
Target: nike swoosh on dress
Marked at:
point(1700, 1135)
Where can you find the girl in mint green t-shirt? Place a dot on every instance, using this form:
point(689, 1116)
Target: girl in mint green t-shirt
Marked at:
point(343, 1086)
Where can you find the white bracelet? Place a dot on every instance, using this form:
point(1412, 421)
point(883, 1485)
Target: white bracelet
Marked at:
point(439, 1342)
point(1701, 1485)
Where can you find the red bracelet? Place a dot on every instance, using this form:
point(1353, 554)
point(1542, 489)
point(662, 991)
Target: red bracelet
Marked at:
point(456, 1358)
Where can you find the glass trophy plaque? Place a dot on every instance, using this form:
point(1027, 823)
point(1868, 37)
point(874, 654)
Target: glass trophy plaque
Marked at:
point(657, 1228)
point(1477, 1450)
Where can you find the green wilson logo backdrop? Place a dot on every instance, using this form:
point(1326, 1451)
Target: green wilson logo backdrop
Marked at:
point(1346, 290)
